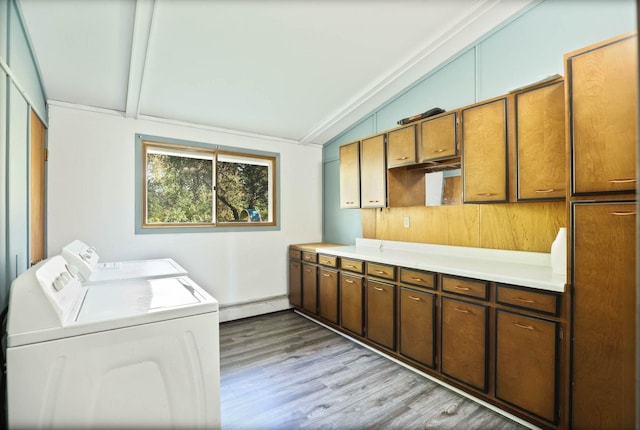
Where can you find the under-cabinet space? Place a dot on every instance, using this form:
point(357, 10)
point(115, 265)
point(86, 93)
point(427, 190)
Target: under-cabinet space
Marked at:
point(418, 326)
point(526, 373)
point(381, 317)
point(465, 342)
point(352, 303)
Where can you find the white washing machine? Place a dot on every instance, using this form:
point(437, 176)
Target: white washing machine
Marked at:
point(84, 263)
point(136, 353)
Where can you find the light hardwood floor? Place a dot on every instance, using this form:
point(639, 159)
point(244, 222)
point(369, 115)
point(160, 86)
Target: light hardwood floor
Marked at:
point(282, 371)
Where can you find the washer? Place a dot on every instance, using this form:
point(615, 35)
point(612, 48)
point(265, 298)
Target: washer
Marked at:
point(84, 263)
point(135, 353)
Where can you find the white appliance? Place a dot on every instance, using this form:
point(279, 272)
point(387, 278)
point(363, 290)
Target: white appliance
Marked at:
point(135, 353)
point(84, 263)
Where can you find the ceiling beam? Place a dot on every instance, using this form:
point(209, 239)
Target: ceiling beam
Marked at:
point(142, 26)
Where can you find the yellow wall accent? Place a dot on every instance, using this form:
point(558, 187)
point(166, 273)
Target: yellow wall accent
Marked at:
point(530, 226)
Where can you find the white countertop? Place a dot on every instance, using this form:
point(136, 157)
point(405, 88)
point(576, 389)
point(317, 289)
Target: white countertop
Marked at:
point(527, 269)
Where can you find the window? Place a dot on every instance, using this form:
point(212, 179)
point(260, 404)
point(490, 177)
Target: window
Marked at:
point(194, 185)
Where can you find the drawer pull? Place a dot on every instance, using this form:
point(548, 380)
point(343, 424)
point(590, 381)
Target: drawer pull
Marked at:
point(622, 180)
point(326, 275)
point(307, 270)
point(402, 158)
point(464, 311)
point(485, 194)
point(378, 289)
point(349, 203)
point(348, 281)
point(417, 279)
point(462, 288)
point(525, 326)
point(437, 151)
point(382, 272)
point(546, 190)
point(622, 213)
point(374, 201)
point(350, 266)
point(326, 261)
point(525, 300)
point(417, 299)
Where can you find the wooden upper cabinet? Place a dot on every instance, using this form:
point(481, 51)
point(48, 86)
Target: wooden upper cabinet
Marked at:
point(401, 146)
point(439, 137)
point(602, 87)
point(540, 143)
point(373, 172)
point(484, 146)
point(350, 175)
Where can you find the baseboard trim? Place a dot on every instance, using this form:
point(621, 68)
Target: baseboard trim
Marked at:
point(426, 375)
point(236, 311)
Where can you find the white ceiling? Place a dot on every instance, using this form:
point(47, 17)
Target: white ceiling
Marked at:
point(298, 70)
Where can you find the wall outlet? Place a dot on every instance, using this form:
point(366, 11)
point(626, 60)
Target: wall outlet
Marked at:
point(406, 222)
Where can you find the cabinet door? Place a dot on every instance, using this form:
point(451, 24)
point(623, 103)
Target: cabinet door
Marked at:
point(417, 326)
point(604, 304)
point(439, 137)
point(465, 342)
point(351, 304)
point(603, 85)
point(310, 288)
point(295, 283)
point(328, 295)
point(484, 146)
point(381, 305)
point(350, 175)
point(373, 173)
point(526, 363)
point(401, 147)
point(540, 143)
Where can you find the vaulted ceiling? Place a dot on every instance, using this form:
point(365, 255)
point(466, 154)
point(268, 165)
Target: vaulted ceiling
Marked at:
point(297, 70)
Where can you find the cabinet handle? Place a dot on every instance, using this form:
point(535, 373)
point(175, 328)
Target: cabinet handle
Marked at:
point(485, 194)
point(622, 213)
point(417, 299)
point(382, 272)
point(326, 261)
point(402, 158)
point(349, 203)
point(546, 190)
point(351, 266)
point(524, 300)
point(464, 311)
point(348, 281)
point(436, 151)
point(462, 288)
point(307, 270)
point(417, 279)
point(526, 326)
point(326, 275)
point(374, 201)
point(378, 289)
point(622, 180)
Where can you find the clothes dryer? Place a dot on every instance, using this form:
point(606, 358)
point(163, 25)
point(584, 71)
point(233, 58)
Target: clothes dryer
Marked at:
point(133, 353)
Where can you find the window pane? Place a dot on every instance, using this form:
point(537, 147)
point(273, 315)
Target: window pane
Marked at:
point(179, 188)
point(242, 191)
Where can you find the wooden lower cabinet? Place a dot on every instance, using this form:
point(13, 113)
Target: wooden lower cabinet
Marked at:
point(604, 307)
point(328, 295)
point(526, 349)
point(352, 303)
point(417, 326)
point(381, 317)
point(295, 283)
point(465, 338)
point(310, 288)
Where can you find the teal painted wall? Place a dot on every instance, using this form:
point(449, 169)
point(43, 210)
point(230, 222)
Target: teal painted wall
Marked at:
point(20, 91)
point(525, 49)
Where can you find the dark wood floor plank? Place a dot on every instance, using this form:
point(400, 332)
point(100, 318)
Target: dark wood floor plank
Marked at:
point(282, 371)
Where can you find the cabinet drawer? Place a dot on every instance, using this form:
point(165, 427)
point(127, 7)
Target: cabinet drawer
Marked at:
point(294, 253)
point(527, 299)
point(310, 257)
point(465, 287)
point(418, 277)
point(351, 265)
point(328, 260)
point(381, 271)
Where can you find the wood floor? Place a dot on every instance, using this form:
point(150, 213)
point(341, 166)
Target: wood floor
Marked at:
point(282, 371)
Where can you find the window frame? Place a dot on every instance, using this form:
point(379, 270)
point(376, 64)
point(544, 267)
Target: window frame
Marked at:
point(142, 142)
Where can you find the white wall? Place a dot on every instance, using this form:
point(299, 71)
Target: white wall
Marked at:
point(91, 197)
